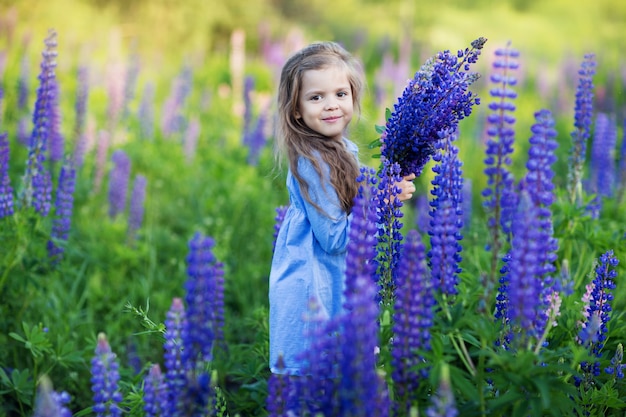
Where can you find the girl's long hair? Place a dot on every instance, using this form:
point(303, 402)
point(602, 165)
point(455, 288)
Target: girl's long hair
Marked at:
point(295, 139)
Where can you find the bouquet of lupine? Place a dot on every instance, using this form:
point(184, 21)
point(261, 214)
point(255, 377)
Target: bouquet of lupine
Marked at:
point(432, 103)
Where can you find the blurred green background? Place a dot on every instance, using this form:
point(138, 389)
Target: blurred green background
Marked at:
point(543, 30)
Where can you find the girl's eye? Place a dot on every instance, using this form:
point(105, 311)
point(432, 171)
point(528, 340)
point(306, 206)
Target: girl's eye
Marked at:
point(316, 98)
point(342, 94)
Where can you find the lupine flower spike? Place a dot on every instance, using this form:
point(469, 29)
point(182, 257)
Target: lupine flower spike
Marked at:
point(525, 286)
point(621, 176)
point(617, 367)
point(154, 393)
point(390, 226)
point(594, 329)
point(341, 358)
point(446, 217)
point(118, 183)
point(172, 357)
point(583, 114)
point(278, 392)
point(280, 216)
point(412, 321)
point(6, 191)
point(360, 386)
point(540, 187)
point(56, 140)
point(64, 206)
point(602, 163)
point(205, 302)
point(499, 196)
point(435, 100)
point(50, 403)
point(37, 181)
point(104, 380)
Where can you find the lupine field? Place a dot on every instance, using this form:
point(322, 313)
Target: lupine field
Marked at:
point(140, 199)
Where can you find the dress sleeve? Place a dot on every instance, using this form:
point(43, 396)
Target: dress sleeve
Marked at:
point(330, 227)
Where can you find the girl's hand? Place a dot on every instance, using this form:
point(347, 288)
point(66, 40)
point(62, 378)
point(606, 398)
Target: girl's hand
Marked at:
point(407, 187)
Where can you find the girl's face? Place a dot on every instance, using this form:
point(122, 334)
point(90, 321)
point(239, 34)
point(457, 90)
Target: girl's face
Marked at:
point(325, 101)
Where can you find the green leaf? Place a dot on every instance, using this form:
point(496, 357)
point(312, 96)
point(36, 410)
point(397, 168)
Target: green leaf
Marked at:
point(374, 144)
point(17, 337)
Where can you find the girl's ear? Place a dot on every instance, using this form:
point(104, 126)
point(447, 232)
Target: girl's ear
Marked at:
point(297, 114)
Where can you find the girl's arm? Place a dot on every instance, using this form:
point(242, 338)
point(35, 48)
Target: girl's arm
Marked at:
point(330, 227)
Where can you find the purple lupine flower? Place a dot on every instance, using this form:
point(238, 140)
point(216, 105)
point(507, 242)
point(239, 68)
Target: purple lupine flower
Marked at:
point(443, 404)
point(412, 321)
point(279, 392)
point(56, 141)
point(360, 386)
point(104, 380)
point(204, 298)
point(583, 114)
point(541, 157)
point(390, 226)
point(130, 84)
point(617, 368)
point(135, 212)
point(317, 393)
point(23, 134)
point(146, 112)
point(175, 375)
point(37, 181)
point(597, 314)
point(6, 191)
point(540, 188)
point(502, 298)
point(600, 300)
point(621, 175)
point(602, 163)
point(154, 393)
point(118, 183)
point(50, 403)
point(190, 140)
point(278, 221)
point(341, 358)
point(446, 218)
point(172, 120)
point(256, 139)
point(499, 196)
point(436, 99)
point(525, 287)
point(82, 93)
point(64, 205)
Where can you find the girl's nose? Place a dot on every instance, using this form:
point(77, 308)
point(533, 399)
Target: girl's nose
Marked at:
point(331, 104)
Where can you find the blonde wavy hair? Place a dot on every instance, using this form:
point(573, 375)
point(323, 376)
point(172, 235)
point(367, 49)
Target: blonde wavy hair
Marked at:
point(294, 139)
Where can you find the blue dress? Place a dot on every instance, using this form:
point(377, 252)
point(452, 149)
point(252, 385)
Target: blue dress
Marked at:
point(308, 265)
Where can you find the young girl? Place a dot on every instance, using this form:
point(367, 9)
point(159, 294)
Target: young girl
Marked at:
point(320, 88)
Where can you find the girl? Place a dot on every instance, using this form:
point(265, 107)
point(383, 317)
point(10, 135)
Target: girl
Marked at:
point(320, 88)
